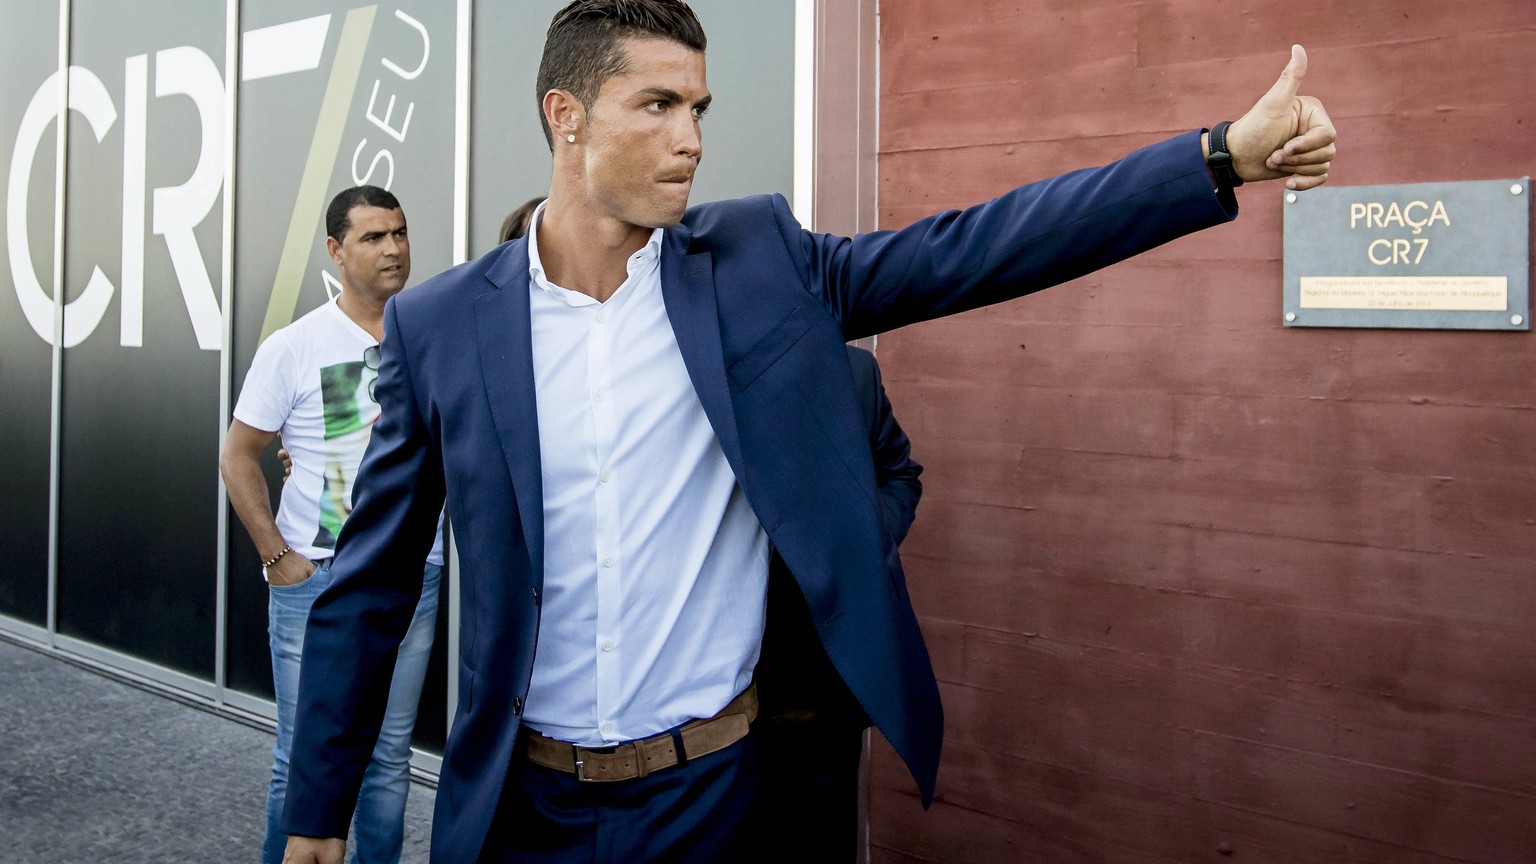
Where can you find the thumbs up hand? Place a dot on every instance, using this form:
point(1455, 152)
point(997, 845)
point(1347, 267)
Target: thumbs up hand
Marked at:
point(1284, 134)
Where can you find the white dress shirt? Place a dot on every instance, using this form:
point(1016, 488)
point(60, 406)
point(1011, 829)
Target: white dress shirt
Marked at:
point(655, 566)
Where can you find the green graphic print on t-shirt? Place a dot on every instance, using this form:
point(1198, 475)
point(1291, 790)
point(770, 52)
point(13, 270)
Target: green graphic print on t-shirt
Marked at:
point(350, 412)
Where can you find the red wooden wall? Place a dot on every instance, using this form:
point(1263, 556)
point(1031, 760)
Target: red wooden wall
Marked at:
point(1199, 587)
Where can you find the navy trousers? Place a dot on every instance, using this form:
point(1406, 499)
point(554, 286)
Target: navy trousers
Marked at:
point(698, 812)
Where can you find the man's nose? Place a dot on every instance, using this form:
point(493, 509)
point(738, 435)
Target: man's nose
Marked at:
point(690, 138)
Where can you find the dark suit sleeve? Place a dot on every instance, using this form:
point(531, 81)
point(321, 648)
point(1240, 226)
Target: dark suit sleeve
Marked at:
point(1031, 238)
point(896, 472)
point(356, 626)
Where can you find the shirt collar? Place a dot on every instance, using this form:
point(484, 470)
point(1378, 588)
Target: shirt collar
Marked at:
point(646, 257)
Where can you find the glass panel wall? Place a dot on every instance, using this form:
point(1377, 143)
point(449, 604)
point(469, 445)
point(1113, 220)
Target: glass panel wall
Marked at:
point(142, 332)
point(29, 44)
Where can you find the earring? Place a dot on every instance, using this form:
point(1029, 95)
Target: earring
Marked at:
point(571, 138)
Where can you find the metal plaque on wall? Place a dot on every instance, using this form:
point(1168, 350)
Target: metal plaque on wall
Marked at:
point(1449, 256)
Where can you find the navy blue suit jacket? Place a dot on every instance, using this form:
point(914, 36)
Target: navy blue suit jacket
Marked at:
point(761, 309)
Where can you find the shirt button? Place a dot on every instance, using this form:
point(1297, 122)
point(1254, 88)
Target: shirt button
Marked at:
point(607, 647)
point(608, 562)
point(607, 728)
point(604, 477)
point(597, 396)
point(602, 316)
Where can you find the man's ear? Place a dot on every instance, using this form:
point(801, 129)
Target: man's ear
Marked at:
point(563, 112)
point(333, 249)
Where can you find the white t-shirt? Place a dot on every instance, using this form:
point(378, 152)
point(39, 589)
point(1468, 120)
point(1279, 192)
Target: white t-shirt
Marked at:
point(310, 383)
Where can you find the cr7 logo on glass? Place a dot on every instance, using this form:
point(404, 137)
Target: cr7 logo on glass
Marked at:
point(184, 71)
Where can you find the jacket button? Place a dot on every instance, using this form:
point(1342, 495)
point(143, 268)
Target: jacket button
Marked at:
point(535, 596)
point(517, 705)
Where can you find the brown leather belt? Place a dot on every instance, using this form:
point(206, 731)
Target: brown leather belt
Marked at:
point(639, 758)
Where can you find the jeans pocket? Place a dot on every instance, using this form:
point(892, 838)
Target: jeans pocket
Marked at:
point(302, 583)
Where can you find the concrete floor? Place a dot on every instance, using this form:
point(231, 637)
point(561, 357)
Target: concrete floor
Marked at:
point(95, 771)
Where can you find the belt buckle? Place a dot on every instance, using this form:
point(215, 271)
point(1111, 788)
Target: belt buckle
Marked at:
point(581, 764)
point(581, 773)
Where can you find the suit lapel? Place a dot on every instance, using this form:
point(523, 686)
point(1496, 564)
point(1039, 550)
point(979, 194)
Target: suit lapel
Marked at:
point(505, 338)
point(688, 289)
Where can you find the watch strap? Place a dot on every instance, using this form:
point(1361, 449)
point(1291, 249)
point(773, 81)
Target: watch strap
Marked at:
point(1220, 158)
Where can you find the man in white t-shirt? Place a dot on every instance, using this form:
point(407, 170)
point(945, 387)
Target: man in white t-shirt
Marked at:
point(312, 383)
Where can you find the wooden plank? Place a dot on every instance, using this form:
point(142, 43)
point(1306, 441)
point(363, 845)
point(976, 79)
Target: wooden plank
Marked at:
point(1344, 506)
point(1461, 822)
point(996, 545)
point(1029, 103)
point(1100, 819)
point(1134, 422)
point(1121, 357)
point(1446, 368)
point(950, 536)
point(1475, 591)
point(1224, 354)
point(954, 831)
point(1134, 716)
point(964, 44)
point(1418, 663)
point(1442, 142)
point(1315, 435)
point(1173, 32)
point(1394, 367)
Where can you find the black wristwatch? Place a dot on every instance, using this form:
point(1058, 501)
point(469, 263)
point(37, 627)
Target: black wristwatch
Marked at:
point(1220, 160)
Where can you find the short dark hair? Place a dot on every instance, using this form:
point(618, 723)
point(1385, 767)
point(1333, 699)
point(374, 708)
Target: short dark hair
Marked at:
point(338, 217)
point(516, 223)
point(583, 46)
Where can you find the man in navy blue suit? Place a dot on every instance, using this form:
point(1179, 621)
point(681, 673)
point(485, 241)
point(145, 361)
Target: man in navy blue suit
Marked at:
point(625, 410)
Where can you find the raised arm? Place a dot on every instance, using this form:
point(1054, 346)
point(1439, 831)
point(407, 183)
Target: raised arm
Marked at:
point(1055, 230)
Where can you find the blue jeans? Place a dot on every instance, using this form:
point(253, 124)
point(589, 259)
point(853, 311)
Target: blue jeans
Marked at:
point(379, 821)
